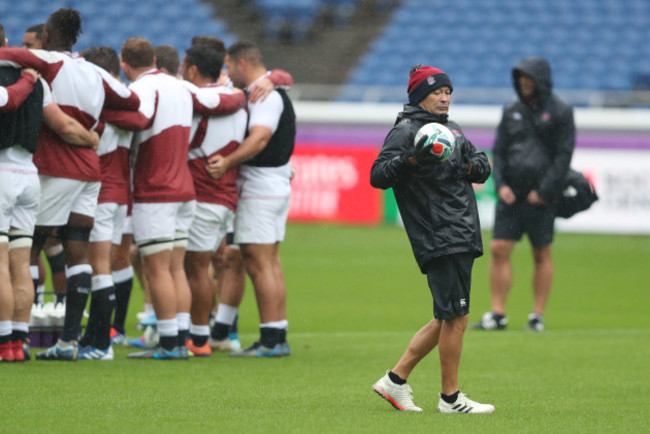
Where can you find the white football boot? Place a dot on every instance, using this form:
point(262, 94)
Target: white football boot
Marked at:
point(464, 405)
point(399, 396)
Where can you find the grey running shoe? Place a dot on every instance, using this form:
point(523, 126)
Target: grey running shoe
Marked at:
point(491, 321)
point(258, 350)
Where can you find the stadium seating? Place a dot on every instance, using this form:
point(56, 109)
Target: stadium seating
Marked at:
point(299, 16)
point(591, 44)
point(111, 22)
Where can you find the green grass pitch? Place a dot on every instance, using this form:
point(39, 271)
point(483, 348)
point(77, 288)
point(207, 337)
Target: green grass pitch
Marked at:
point(355, 298)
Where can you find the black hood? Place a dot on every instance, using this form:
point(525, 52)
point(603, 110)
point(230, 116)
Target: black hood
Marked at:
point(540, 70)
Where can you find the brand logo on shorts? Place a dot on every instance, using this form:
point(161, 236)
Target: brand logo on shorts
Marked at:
point(463, 303)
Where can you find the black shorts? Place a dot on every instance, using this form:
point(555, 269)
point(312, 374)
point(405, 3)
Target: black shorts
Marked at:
point(512, 221)
point(450, 280)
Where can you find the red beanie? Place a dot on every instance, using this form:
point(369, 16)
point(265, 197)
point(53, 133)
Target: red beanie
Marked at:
point(425, 79)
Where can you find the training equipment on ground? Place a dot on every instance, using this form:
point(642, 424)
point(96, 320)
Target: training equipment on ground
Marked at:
point(399, 396)
point(441, 140)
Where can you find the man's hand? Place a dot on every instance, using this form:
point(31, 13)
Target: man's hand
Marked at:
point(421, 153)
point(534, 199)
point(505, 194)
point(94, 145)
point(260, 89)
point(217, 166)
point(33, 72)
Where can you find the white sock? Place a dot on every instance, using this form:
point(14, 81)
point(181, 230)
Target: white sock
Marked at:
point(199, 330)
point(226, 314)
point(5, 328)
point(183, 319)
point(168, 327)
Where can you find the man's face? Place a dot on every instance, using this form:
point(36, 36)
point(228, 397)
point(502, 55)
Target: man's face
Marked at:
point(235, 74)
point(31, 41)
point(437, 102)
point(526, 85)
point(184, 70)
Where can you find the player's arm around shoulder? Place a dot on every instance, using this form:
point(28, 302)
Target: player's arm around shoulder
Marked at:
point(216, 100)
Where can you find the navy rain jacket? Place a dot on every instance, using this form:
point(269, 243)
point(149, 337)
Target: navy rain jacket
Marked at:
point(436, 200)
point(535, 140)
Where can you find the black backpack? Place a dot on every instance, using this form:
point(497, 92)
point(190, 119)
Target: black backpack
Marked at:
point(577, 195)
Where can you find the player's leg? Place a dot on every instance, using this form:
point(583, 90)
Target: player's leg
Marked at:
point(75, 201)
point(184, 218)
point(183, 293)
point(6, 300)
point(75, 237)
point(56, 258)
point(136, 262)
point(500, 274)
point(232, 281)
point(259, 227)
point(202, 240)
point(258, 260)
point(540, 232)
point(392, 386)
point(19, 248)
point(23, 297)
point(450, 347)
point(281, 297)
point(450, 282)
point(154, 229)
point(197, 265)
point(122, 272)
point(109, 217)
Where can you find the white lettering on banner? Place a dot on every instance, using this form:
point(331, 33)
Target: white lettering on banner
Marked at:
point(314, 203)
point(325, 171)
point(319, 180)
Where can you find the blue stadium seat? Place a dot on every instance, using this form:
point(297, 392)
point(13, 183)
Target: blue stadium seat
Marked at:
point(482, 40)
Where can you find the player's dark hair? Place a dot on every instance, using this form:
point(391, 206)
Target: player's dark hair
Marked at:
point(213, 41)
point(246, 50)
point(206, 58)
point(104, 57)
point(65, 27)
point(167, 57)
point(137, 52)
point(36, 28)
point(2, 36)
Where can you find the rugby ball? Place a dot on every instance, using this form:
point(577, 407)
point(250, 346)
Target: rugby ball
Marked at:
point(441, 140)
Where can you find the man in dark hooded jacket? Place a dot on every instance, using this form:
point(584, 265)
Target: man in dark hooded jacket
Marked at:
point(438, 206)
point(532, 153)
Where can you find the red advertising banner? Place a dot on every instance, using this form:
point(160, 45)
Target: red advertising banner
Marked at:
point(332, 184)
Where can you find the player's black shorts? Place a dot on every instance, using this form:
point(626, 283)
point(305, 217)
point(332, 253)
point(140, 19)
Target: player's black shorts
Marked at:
point(450, 279)
point(512, 221)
